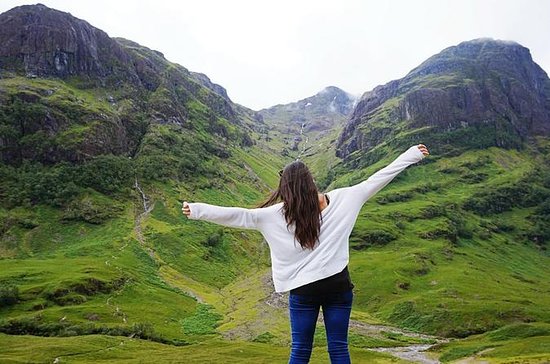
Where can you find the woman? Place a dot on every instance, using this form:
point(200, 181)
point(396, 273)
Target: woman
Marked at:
point(307, 234)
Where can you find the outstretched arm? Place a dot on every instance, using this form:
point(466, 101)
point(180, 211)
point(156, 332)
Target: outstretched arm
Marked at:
point(381, 178)
point(237, 217)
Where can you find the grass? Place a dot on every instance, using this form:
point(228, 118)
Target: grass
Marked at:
point(441, 277)
point(96, 348)
point(517, 342)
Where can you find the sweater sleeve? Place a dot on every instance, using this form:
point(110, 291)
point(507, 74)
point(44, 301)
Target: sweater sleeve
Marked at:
point(381, 178)
point(237, 217)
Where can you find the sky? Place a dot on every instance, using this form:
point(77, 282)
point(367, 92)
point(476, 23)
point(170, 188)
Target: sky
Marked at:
point(274, 52)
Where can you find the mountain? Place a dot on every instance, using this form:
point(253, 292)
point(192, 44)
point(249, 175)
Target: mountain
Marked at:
point(102, 93)
point(321, 111)
point(101, 139)
point(476, 94)
point(327, 109)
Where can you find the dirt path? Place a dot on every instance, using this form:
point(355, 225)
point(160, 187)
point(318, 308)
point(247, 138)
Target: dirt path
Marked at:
point(414, 352)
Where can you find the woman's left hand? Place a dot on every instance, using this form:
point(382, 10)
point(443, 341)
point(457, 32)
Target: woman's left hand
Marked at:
point(186, 209)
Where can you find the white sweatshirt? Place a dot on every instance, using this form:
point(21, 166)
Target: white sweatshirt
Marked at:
point(293, 266)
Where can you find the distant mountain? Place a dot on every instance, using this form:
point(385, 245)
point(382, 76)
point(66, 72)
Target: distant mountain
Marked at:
point(321, 111)
point(477, 94)
point(314, 116)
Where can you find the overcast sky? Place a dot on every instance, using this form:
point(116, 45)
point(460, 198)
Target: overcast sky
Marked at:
point(271, 52)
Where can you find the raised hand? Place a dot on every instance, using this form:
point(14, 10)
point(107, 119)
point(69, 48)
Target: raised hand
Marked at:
point(186, 209)
point(423, 149)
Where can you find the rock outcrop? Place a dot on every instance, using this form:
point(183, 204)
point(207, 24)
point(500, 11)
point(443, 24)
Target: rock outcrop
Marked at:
point(46, 42)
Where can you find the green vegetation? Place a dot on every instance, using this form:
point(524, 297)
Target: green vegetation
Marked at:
point(97, 261)
point(94, 348)
point(521, 342)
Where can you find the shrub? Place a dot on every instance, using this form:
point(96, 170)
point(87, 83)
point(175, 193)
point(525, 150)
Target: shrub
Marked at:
point(539, 233)
point(427, 187)
point(449, 170)
point(36, 326)
point(215, 239)
point(460, 225)
point(33, 183)
point(501, 226)
point(366, 239)
point(478, 162)
point(432, 211)
point(106, 173)
point(9, 294)
point(16, 218)
point(446, 233)
point(70, 299)
point(91, 210)
point(474, 177)
point(395, 197)
point(504, 198)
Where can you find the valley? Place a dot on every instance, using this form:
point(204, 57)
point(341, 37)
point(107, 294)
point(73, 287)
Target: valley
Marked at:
point(450, 261)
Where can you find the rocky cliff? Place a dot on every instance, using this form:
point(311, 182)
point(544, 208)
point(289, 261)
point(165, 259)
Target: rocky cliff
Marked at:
point(477, 94)
point(46, 42)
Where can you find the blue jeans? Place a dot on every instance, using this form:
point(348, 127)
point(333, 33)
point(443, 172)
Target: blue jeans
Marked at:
point(304, 310)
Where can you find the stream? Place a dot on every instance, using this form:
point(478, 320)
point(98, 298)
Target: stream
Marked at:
point(414, 352)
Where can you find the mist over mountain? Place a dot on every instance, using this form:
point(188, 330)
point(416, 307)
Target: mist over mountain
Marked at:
point(311, 118)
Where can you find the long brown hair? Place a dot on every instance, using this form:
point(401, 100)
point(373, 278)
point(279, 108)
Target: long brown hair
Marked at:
point(299, 193)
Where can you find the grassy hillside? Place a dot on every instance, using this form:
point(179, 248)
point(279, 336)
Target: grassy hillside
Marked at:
point(416, 262)
point(424, 249)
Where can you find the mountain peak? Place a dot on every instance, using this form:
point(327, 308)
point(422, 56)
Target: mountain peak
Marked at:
point(492, 53)
point(331, 89)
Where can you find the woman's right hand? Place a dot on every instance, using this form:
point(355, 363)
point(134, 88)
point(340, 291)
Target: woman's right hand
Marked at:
point(423, 149)
point(186, 209)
